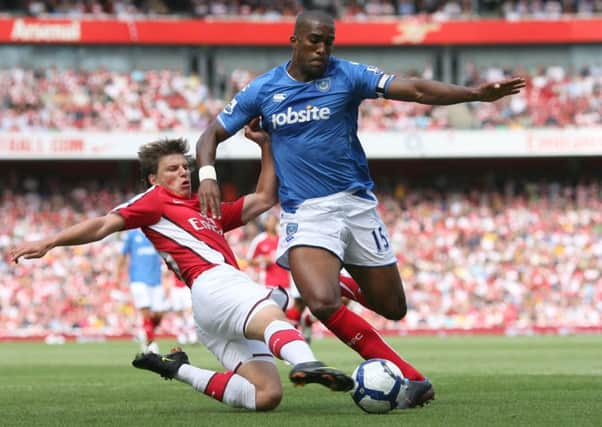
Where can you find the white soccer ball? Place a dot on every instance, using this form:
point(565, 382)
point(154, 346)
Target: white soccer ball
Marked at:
point(378, 385)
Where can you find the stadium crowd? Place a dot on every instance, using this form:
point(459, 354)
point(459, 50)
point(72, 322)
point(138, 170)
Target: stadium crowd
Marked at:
point(103, 100)
point(526, 255)
point(343, 9)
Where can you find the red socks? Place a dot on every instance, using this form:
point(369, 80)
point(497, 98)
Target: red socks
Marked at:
point(217, 385)
point(294, 315)
point(149, 329)
point(363, 338)
point(350, 289)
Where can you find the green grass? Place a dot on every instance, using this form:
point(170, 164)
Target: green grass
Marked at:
point(480, 381)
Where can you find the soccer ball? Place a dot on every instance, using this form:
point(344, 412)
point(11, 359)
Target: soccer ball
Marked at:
point(378, 384)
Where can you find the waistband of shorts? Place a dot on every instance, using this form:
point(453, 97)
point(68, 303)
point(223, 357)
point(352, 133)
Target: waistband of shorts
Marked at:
point(362, 193)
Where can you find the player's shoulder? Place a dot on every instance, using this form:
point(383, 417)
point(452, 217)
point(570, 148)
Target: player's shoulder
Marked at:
point(341, 64)
point(145, 196)
point(261, 81)
point(347, 66)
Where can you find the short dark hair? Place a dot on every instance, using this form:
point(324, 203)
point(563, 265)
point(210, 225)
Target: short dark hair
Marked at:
point(150, 153)
point(312, 15)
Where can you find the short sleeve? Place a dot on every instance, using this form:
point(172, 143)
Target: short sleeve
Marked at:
point(241, 109)
point(142, 210)
point(368, 81)
point(232, 214)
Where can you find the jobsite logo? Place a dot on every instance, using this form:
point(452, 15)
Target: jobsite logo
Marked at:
point(308, 114)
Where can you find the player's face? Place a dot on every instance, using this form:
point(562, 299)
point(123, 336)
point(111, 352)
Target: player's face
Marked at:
point(173, 174)
point(312, 47)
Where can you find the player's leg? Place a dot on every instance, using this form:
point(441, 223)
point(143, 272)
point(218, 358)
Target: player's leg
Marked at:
point(311, 267)
point(141, 299)
point(179, 305)
point(246, 310)
point(148, 328)
point(372, 343)
point(313, 242)
point(299, 314)
point(158, 307)
point(350, 290)
point(381, 288)
point(250, 381)
point(371, 262)
point(315, 271)
point(269, 324)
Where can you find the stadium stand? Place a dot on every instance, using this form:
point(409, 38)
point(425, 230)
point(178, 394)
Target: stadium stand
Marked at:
point(343, 9)
point(527, 255)
point(155, 100)
point(519, 256)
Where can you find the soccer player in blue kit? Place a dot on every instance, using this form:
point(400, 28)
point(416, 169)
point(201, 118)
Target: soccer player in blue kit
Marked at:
point(309, 106)
point(145, 283)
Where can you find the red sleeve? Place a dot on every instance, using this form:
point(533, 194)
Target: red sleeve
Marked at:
point(142, 210)
point(232, 214)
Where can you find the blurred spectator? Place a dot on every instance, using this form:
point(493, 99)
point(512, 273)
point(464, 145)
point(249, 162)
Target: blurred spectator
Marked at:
point(158, 100)
point(439, 10)
point(519, 256)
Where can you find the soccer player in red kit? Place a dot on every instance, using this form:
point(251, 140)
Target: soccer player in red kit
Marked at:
point(238, 320)
point(262, 255)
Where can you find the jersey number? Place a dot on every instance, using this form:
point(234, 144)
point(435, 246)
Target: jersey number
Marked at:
point(380, 239)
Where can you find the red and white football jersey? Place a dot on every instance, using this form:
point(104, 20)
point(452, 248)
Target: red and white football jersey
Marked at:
point(189, 242)
point(271, 274)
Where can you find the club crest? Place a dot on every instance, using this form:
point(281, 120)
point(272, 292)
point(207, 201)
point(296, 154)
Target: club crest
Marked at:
point(291, 229)
point(324, 85)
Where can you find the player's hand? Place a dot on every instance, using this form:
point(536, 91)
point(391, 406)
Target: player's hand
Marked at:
point(255, 133)
point(490, 92)
point(28, 250)
point(209, 198)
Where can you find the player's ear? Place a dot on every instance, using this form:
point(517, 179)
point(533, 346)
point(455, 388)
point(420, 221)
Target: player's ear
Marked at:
point(293, 39)
point(152, 179)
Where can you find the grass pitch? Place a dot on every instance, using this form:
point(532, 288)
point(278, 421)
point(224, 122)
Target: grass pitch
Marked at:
point(480, 381)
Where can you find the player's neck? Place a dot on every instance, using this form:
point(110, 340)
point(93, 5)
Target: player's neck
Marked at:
point(296, 73)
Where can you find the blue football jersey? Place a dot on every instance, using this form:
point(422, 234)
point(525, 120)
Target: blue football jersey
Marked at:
point(145, 262)
point(313, 126)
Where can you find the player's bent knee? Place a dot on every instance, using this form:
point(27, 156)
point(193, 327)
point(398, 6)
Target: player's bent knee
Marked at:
point(268, 399)
point(322, 310)
point(394, 312)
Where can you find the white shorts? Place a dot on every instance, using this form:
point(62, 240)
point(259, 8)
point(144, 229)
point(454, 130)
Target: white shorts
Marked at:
point(151, 297)
point(343, 223)
point(224, 299)
point(180, 298)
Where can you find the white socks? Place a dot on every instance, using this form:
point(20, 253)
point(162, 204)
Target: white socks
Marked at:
point(287, 343)
point(236, 391)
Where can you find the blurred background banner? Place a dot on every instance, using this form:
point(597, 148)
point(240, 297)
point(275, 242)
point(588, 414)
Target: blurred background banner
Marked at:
point(385, 145)
point(250, 32)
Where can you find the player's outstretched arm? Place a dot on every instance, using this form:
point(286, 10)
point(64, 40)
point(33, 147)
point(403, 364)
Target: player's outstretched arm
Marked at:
point(266, 192)
point(206, 146)
point(438, 93)
point(87, 231)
